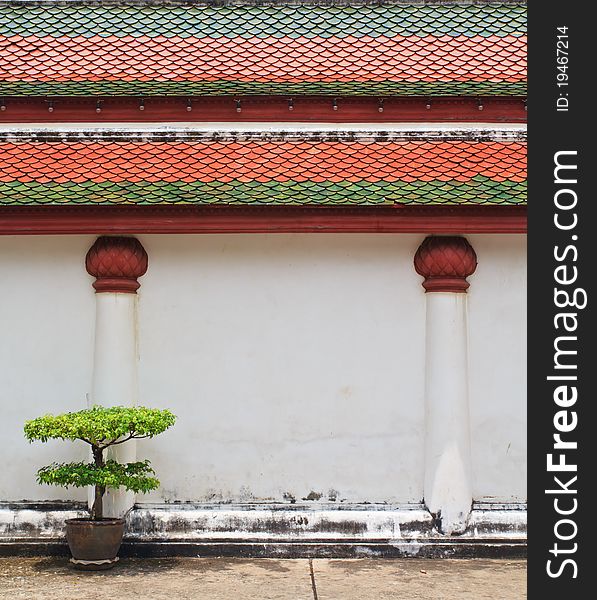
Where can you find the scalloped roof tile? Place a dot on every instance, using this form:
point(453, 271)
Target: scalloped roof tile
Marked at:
point(335, 168)
point(166, 47)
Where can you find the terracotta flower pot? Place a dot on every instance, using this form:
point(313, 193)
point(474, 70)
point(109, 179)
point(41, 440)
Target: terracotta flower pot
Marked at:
point(94, 544)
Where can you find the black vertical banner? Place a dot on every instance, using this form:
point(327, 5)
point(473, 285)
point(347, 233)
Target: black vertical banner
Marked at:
point(561, 300)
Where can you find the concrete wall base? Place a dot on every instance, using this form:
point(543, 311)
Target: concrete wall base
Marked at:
point(292, 531)
point(328, 549)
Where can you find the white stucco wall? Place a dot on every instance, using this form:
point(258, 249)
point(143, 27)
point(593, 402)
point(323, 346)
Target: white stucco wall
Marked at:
point(294, 363)
point(46, 329)
point(497, 367)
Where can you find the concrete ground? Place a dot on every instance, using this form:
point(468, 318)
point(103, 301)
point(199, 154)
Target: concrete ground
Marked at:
point(266, 579)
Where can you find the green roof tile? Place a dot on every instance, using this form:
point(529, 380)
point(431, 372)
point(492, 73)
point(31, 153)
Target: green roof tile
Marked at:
point(296, 20)
point(253, 167)
point(166, 47)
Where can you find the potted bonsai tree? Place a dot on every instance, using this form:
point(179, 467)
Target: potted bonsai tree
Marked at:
point(94, 542)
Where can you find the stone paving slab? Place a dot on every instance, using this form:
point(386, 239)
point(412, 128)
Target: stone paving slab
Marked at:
point(265, 579)
point(413, 579)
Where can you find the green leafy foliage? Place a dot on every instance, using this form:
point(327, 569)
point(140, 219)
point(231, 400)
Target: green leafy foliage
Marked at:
point(101, 426)
point(136, 476)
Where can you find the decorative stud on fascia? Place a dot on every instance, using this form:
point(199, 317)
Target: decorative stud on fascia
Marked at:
point(116, 263)
point(445, 262)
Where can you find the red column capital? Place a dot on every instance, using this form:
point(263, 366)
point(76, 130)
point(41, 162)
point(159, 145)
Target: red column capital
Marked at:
point(445, 262)
point(116, 263)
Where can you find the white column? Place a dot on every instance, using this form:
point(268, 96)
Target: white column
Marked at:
point(116, 262)
point(448, 490)
point(115, 376)
point(445, 262)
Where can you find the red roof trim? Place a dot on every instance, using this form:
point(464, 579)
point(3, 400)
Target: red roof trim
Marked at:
point(60, 220)
point(263, 108)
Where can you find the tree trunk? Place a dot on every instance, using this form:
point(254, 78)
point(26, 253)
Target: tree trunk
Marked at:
point(97, 510)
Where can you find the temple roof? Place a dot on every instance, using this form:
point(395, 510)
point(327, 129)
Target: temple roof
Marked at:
point(262, 168)
point(169, 47)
